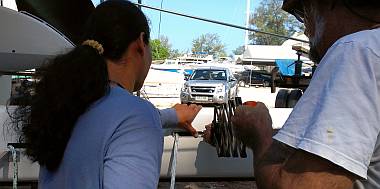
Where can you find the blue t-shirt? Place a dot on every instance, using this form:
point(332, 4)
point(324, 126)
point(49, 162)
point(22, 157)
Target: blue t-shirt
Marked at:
point(117, 143)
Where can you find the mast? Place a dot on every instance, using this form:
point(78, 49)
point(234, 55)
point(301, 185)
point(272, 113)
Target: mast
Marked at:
point(139, 2)
point(247, 24)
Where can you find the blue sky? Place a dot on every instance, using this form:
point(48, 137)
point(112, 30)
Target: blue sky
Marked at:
point(181, 31)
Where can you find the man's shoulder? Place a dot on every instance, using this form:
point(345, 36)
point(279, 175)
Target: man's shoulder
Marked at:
point(356, 47)
point(365, 38)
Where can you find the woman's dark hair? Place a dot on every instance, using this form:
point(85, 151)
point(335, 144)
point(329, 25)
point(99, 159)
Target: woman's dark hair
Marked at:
point(71, 82)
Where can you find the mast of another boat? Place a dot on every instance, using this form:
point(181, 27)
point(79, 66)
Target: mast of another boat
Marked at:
point(247, 24)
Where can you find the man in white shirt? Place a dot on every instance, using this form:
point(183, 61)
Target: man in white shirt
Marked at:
point(331, 138)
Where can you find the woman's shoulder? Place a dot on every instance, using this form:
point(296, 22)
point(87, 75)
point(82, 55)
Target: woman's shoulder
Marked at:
point(126, 105)
point(125, 100)
point(119, 107)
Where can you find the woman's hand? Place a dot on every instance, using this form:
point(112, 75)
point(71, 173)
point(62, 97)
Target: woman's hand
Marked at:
point(186, 114)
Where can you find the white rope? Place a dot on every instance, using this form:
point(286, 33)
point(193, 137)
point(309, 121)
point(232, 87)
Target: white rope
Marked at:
point(174, 161)
point(15, 166)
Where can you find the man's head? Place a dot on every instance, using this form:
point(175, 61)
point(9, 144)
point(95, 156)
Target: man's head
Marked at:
point(328, 20)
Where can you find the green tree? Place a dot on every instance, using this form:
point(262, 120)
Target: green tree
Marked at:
point(165, 42)
point(210, 44)
point(174, 53)
point(269, 17)
point(159, 51)
point(162, 49)
point(239, 50)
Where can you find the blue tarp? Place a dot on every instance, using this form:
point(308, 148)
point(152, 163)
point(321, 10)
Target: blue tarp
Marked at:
point(286, 66)
point(188, 71)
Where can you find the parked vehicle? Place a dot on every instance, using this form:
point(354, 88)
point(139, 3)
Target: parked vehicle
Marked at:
point(212, 85)
point(254, 77)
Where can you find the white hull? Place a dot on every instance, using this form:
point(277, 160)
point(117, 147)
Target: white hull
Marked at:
point(160, 83)
point(27, 41)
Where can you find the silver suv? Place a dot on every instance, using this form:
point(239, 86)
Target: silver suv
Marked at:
point(212, 85)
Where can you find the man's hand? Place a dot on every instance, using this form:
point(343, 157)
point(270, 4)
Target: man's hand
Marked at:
point(207, 134)
point(279, 165)
point(253, 125)
point(186, 114)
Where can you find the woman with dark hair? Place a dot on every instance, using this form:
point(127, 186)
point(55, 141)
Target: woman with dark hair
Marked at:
point(84, 126)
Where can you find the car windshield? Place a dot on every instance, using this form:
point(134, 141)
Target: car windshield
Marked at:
point(209, 75)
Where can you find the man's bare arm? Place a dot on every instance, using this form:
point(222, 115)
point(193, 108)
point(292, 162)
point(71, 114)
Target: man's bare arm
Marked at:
point(285, 167)
point(280, 166)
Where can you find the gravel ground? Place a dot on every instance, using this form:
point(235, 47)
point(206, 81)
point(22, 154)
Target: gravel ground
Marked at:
point(210, 185)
